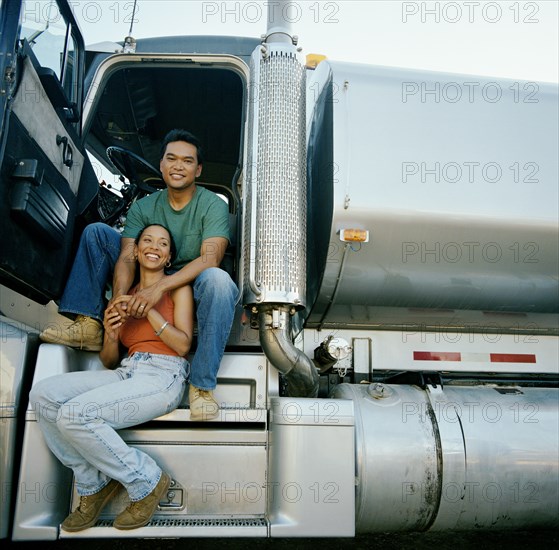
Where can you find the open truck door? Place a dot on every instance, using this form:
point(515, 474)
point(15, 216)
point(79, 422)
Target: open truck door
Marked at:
point(46, 179)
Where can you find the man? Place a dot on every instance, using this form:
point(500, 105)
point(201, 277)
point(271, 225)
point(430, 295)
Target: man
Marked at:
point(199, 222)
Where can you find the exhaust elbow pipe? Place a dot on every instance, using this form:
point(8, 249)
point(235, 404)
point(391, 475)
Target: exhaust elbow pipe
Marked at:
point(298, 369)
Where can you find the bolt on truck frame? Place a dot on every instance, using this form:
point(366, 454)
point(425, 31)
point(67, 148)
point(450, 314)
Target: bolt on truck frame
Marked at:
point(393, 363)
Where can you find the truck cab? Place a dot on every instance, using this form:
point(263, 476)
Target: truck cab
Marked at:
point(393, 362)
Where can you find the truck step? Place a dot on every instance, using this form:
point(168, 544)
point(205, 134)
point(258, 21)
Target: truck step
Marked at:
point(179, 528)
point(226, 414)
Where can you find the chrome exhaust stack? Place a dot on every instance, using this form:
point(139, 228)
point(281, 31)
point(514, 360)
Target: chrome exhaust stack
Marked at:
point(275, 201)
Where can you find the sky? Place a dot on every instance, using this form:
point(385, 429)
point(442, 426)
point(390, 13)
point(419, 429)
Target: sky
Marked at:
point(510, 39)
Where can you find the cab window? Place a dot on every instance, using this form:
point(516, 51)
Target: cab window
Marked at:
point(52, 41)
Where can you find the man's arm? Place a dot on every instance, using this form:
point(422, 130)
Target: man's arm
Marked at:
point(125, 269)
point(211, 255)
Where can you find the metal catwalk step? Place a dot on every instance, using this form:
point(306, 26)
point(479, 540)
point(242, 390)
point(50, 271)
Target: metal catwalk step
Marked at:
point(179, 528)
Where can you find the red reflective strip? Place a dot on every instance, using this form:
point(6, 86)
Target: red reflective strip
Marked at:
point(493, 357)
point(436, 356)
point(512, 358)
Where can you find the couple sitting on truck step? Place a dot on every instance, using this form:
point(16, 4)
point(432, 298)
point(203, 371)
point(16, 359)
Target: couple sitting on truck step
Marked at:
point(79, 412)
point(199, 223)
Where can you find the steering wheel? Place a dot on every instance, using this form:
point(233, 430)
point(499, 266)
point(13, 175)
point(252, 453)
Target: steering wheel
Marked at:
point(135, 169)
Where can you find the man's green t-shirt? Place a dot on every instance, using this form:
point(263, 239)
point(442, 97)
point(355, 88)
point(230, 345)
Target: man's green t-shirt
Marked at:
point(205, 216)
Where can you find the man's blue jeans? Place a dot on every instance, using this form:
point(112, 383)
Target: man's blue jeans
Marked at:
point(215, 295)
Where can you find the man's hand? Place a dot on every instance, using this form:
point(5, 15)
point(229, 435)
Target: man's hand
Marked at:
point(141, 302)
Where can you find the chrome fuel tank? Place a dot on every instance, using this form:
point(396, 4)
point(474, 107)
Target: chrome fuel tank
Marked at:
point(454, 178)
point(461, 457)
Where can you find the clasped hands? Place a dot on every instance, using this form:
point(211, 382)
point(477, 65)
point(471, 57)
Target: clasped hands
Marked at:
point(135, 305)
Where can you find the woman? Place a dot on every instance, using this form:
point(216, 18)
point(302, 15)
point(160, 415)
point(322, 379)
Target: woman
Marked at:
point(79, 412)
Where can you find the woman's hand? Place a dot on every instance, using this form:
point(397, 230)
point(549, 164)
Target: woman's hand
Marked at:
point(120, 304)
point(112, 321)
point(113, 318)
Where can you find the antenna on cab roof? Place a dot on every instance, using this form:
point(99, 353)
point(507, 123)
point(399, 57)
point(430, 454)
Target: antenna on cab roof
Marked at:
point(130, 41)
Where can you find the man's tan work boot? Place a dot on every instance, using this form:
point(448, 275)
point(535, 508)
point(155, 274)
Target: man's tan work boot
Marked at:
point(89, 509)
point(83, 333)
point(203, 406)
point(137, 514)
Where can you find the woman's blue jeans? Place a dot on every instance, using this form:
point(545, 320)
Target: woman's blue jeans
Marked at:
point(79, 413)
point(215, 295)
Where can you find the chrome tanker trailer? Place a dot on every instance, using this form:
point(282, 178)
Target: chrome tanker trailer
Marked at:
point(393, 364)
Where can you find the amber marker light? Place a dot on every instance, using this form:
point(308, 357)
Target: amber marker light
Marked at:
point(354, 235)
point(313, 59)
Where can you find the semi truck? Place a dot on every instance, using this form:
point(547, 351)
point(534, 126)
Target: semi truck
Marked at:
point(393, 364)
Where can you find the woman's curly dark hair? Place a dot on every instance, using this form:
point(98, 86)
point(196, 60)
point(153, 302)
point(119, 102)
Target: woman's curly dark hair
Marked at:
point(172, 245)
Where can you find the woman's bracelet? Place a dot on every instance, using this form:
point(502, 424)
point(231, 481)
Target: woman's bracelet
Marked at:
point(163, 327)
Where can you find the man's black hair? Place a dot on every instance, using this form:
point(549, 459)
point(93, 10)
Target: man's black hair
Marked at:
point(182, 135)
